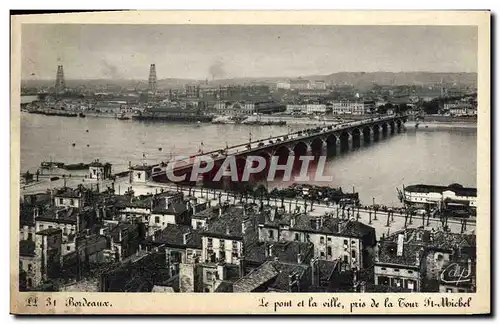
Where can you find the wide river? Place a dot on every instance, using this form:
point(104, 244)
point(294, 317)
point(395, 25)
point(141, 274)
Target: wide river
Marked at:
point(439, 157)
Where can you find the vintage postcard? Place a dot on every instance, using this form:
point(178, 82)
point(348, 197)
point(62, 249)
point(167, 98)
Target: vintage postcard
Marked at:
point(195, 162)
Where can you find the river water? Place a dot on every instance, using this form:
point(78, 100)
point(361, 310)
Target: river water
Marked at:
point(439, 157)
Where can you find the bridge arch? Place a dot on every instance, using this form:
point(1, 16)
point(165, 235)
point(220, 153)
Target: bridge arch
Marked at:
point(357, 137)
point(317, 146)
point(392, 127)
point(399, 125)
point(344, 137)
point(367, 130)
point(332, 141)
point(384, 130)
point(376, 132)
point(301, 148)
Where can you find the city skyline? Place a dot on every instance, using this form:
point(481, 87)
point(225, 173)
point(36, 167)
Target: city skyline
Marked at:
point(226, 52)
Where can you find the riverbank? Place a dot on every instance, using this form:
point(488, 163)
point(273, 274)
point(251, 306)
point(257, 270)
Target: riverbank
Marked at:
point(435, 125)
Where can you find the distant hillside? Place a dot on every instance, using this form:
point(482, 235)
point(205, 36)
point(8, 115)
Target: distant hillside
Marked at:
point(357, 79)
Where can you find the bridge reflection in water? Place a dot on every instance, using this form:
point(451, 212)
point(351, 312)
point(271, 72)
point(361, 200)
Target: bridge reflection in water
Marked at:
point(315, 142)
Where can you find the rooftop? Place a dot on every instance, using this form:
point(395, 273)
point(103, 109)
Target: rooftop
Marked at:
point(174, 234)
point(60, 215)
point(324, 224)
point(458, 189)
point(280, 251)
point(49, 231)
point(229, 223)
point(26, 248)
point(273, 274)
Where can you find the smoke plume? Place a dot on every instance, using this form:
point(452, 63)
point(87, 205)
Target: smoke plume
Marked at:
point(110, 70)
point(216, 70)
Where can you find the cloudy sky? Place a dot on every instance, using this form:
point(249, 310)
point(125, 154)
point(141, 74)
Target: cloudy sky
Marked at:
point(199, 52)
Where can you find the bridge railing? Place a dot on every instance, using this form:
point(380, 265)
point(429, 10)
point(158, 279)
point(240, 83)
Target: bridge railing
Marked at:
point(300, 133)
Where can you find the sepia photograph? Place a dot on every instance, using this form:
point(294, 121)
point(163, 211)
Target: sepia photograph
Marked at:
point(200, 156)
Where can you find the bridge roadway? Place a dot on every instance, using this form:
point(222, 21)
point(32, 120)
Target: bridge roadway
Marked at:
point(379, 222)
point(378, 128)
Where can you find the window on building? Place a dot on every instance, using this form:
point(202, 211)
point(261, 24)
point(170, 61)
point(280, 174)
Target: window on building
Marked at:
point(346, 258)
point(449, 290)
point(30, 267)
point(61, 201)
point(41, 226)
point(222, 244)
point(72, 202)
point(198, 224)
point(410, 284)
point(30, 237)
point(30, 283)
point(68, 248)
point(50, 226)
point(138, 175)
point(322, 254)
point(209, 241)
point(222, 255)
point(353, 242)
point(157, 219)
point(271, 234)
point(329, 239)
point(235, 245)
point(410, 271)
point(346, 242)
point(382, 280)
point(297, 237)
point(353, 254)
point(322, 240)
point(383, 269)
point(329, 251)
point(396, 270)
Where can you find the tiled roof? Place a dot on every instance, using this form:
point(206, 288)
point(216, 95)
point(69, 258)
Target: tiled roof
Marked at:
point(228, 224)
point(326, 269)
point(256, 278)
point(274, 274)
point(67, 192)
point(49, 231)
point(326, 224)
point(26, 248)
point(418, 241)
point(282, 251)
point(62, 215)
point(174, 234)
point(26, 215)
point(411, 255)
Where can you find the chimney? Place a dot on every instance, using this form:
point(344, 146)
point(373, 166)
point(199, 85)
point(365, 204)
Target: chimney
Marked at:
point(292, 221)
point(362, 287)
point(272, 214)
point(270, 250)
point(376, 251)
point(102, 231)
point(35, 213)
point(299, 258)
point(400, 245)
point(120, 235)
point(227, 229)
point(186, 237)
point(220, 210)
point(243, 227)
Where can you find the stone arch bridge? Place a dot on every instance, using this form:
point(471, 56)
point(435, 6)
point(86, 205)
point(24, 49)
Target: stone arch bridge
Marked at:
point(320, 140)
